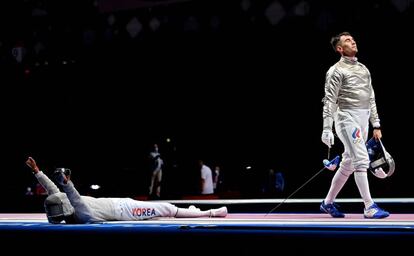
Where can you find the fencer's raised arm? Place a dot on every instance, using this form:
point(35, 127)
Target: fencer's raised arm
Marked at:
point(83, 212)
point(49, 186)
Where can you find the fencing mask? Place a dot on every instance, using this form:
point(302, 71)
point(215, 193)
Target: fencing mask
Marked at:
point(58, 208)
point(382, 164)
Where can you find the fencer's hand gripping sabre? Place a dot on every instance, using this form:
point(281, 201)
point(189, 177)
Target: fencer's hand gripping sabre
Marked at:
point(330, 165)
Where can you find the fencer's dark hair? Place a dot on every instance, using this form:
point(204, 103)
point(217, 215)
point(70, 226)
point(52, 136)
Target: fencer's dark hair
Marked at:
point(337, 38)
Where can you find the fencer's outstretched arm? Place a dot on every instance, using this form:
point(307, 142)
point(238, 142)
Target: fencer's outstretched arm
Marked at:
point(82, 210)
point(50, 187)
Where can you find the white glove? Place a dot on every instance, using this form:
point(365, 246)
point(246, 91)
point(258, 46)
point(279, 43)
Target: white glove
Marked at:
point(328, 137)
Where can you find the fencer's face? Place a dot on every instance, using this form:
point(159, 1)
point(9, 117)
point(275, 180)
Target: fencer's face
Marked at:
point(347, 46)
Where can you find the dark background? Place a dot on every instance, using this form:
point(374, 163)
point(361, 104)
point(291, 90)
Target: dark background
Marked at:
point(223, 83)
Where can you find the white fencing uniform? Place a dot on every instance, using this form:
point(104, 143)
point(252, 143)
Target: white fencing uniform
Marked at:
point(350, 102)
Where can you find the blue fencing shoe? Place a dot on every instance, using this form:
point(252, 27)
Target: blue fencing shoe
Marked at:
point(374, 212)
point(331, 209)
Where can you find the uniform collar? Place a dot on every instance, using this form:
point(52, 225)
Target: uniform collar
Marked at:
point(349, 60)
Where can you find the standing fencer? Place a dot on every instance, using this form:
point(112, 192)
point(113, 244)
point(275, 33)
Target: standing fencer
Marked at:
point(71, 207)
point(349, 103)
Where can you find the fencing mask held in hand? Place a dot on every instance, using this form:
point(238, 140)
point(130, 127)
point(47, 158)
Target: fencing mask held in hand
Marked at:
point(382, 164)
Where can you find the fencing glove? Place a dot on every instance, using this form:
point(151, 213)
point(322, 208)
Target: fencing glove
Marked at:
point(328, 137)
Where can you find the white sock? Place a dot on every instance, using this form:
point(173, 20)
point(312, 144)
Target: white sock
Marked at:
point(194, 212)
point(219, 212)
point(361, 179)
point(337, 183)
point(191, 213)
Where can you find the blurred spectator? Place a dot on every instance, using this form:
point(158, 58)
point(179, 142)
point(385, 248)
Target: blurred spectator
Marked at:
point(40, 190)
point(206, 179)
point(19, 51)
point(216, 177)
point(274, 183)
point(29, 191)
point(156, 164)
point(279, 182)
point(218, 180)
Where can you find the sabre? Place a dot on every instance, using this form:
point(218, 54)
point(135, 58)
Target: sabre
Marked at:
point(328, 166)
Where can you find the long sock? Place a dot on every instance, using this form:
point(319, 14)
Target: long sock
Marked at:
point(337, 183)
point(191, 213)
point(361, 180)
